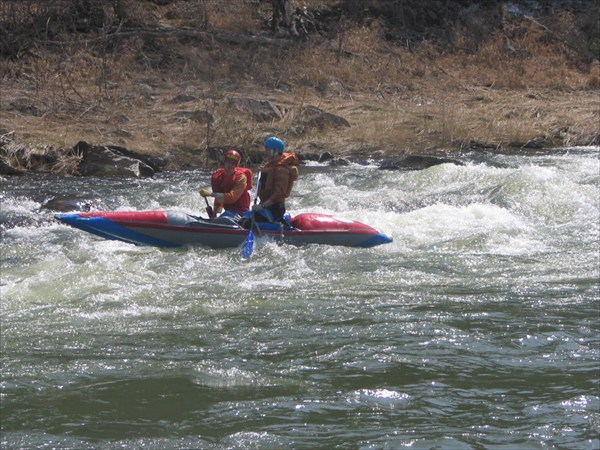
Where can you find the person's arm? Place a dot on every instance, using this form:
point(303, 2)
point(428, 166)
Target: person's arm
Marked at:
point(236, 191)
point(218, 207)
point(262, 181)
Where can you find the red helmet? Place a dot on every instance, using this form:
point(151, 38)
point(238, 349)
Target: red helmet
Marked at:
point(233, 156)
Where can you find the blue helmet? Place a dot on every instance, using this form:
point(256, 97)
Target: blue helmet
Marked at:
point(275, 143)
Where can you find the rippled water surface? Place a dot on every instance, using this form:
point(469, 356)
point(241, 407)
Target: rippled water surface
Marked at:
point(478, 327)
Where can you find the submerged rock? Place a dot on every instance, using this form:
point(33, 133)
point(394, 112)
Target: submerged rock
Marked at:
point(66, 204)
point(415, 162)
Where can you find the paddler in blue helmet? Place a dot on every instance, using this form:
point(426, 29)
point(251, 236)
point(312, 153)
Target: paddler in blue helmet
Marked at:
point(278, 174)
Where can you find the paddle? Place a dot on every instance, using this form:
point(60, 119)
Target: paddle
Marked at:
point(209, 210)
point(248, 245)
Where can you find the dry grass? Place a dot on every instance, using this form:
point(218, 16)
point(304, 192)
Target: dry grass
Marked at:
point(398, 99)
point(22, 157)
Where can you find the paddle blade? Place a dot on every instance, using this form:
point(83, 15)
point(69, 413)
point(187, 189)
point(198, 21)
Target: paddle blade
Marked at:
point(248, 246)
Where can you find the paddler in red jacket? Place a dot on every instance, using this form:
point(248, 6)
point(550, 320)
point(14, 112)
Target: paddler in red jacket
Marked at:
point(277, 179)
point(230, 185)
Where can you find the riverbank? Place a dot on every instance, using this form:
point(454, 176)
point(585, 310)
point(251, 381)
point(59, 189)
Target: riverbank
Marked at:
point(179, 92)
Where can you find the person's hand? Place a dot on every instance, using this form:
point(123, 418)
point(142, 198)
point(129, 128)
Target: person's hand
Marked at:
point(205, 192)
point(257, 207)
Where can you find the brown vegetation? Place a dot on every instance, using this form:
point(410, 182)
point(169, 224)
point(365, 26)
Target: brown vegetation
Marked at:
point(410, 77)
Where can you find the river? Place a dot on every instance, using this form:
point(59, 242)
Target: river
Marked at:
point(477, 328)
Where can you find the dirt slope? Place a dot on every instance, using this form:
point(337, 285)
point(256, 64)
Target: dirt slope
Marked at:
point(175, 78)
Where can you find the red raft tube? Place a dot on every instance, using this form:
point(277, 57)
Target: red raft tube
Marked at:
point(176, 229)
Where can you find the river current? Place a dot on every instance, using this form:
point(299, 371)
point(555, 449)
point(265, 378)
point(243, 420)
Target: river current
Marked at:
point(477, 328)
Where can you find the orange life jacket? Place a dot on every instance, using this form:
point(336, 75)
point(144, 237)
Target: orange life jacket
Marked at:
point(289, 163)
point(221, 182)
